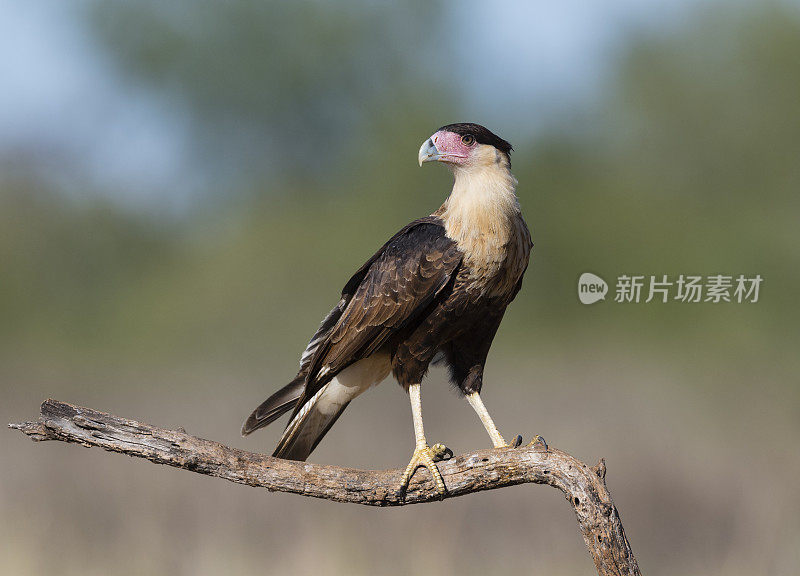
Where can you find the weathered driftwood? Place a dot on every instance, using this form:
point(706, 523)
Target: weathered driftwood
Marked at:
point(584, 486)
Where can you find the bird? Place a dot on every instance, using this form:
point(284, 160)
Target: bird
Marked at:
point(436, 291)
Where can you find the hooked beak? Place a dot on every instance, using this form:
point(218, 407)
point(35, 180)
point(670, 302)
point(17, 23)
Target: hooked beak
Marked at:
point(428, 152)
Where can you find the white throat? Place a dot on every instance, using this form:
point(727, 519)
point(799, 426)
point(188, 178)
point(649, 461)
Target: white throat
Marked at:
point(483, 201)
point(482, 212)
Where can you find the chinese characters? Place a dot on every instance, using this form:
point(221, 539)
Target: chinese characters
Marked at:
point(715, 288)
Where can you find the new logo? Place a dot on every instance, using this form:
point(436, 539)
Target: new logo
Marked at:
point(591, 288)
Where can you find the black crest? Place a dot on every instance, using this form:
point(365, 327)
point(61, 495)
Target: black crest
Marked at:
point(482, 135)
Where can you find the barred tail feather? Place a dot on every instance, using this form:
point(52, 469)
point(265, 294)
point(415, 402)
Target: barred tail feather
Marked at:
point(315, 415)
point(313, 421)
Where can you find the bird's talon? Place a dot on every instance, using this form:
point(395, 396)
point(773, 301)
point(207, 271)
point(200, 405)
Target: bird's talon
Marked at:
point(539, 443)
point(517, 442)
point(425, 457)
point(441, 452)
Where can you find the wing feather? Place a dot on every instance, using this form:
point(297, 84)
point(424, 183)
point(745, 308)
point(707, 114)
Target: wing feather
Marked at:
point(400, 282)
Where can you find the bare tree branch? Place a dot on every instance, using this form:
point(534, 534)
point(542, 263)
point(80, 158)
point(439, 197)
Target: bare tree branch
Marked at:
point(583, 486)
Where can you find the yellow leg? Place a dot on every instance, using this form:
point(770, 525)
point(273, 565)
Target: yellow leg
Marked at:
point(475, 401)
point(424, 455)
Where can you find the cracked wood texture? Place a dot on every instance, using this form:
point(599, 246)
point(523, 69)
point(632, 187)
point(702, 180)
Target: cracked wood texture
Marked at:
point(584, 486)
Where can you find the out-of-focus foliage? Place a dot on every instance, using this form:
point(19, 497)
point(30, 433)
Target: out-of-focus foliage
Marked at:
point(277, 85)
point(690, 168)
point(64, 265)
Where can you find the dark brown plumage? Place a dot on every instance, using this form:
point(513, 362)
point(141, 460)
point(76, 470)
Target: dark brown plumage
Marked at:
point(437, 288)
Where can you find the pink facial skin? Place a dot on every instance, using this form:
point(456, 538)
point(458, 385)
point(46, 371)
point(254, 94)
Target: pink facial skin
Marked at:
point(451, 149)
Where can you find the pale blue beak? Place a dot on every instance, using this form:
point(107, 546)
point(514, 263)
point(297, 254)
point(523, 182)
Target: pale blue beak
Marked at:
point(428, 152)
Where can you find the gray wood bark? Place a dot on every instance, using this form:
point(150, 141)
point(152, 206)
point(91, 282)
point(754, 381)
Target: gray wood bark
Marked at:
point(583, 486)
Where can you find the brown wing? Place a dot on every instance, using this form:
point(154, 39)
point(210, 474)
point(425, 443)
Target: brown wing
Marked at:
point(400, 282)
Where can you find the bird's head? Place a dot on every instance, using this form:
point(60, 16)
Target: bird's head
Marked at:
point(465, 146)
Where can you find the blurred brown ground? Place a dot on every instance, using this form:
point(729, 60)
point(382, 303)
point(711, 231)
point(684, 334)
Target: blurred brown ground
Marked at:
point(705, 484)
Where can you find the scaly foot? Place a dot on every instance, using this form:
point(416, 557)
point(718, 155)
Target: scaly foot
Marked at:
point(539, 442)
point(516, 442)
point(427, 456)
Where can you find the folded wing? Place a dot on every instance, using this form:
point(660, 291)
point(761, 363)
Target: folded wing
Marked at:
point(392, 290)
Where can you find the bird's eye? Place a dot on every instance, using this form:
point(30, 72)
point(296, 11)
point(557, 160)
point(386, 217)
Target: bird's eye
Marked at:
point(468, 140)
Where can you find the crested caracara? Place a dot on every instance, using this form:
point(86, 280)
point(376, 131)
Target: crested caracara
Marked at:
point(437, 289)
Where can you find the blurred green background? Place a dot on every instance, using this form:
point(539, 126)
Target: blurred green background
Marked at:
point(185, 187)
